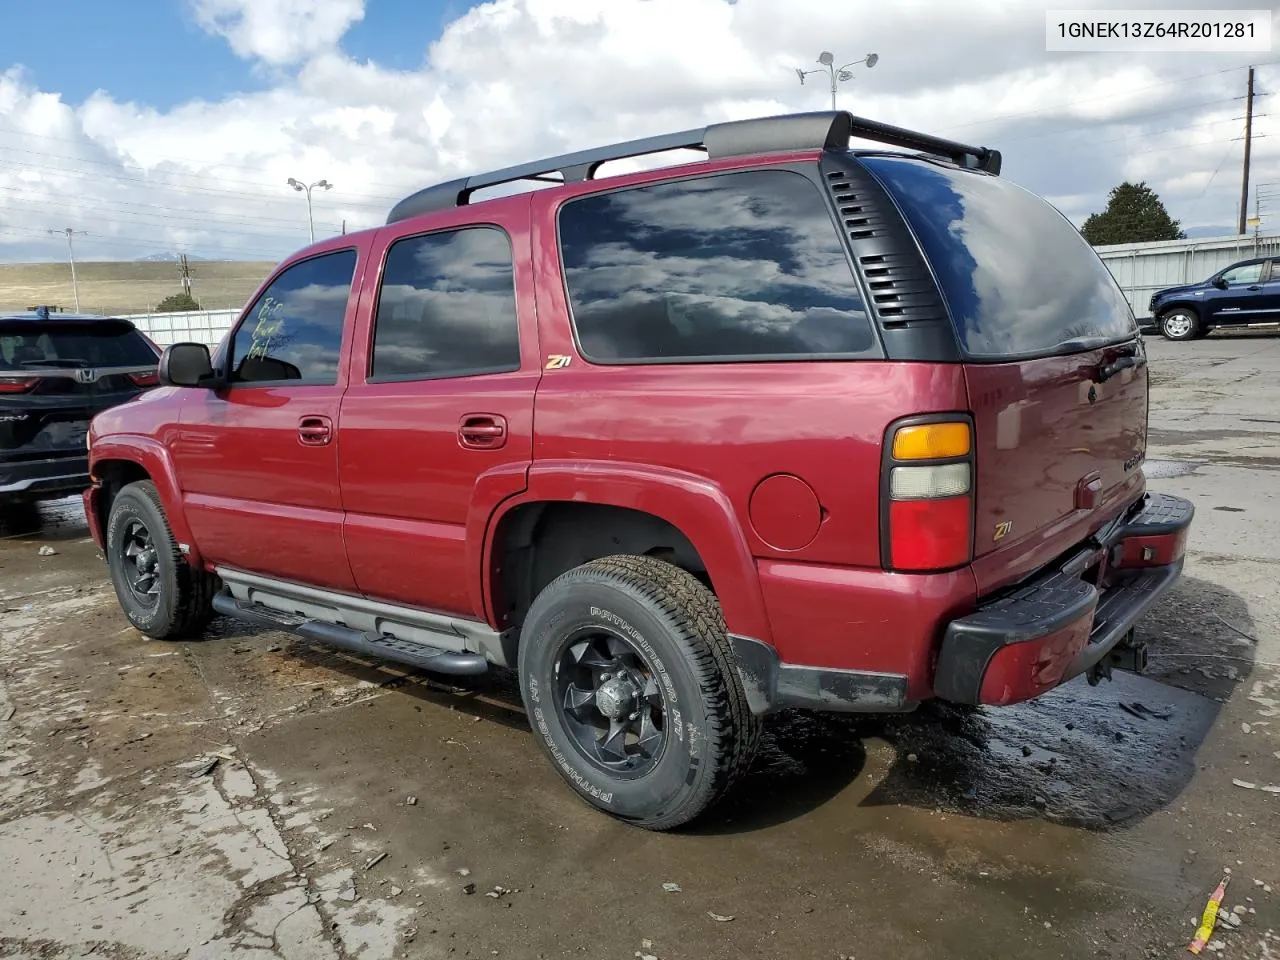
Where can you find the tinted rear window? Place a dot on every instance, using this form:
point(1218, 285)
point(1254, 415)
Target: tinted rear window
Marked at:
point(101, 343)
point(1018, 278)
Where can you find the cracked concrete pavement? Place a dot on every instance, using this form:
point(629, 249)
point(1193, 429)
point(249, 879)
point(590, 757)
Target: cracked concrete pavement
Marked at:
point(232, 797)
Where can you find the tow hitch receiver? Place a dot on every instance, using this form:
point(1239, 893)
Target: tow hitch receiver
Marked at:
point(1129, 654)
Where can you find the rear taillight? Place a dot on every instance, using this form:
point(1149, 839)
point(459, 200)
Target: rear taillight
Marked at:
point(145, 379)
point(17, 384)
point(927, 521)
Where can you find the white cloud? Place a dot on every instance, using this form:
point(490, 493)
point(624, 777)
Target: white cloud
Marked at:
point(279, 32)
point(516, 79)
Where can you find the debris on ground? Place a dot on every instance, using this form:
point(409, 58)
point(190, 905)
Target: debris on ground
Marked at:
point(671, 887)
point(47, 551)
point(348, 893)
point(1243, 783)
point(374, 861)
point(497, 893)
point(411, 800)
point(394, 891)
point(1210, 917)
point(469, 889)
point(1247, 636)
point(8, 714)
point(718, 918)
point(205, 768)
point(463, 872)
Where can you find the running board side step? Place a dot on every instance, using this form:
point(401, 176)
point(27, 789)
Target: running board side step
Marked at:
point(410, 653)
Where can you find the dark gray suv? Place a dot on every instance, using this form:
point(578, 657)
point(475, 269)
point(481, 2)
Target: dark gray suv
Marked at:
point(56, 371)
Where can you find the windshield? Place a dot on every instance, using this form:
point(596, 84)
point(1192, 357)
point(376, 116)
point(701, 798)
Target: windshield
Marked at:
point(1018, 279)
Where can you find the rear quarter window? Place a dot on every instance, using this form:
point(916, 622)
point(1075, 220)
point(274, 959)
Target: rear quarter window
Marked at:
point(1018, 278)
point(731, 267)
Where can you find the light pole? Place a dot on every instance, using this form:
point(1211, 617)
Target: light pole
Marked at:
point(71, 253)
point(307, 188)
point(840, 74)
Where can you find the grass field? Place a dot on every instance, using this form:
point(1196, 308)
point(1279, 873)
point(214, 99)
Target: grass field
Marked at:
point(127, 287)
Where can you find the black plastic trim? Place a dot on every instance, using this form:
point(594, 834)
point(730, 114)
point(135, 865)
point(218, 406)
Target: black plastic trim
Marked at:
point(820, 130)
point(903, 294)
point(408, 652)
point(772, 685)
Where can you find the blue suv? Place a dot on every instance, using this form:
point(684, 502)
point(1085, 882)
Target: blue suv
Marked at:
point(1243, 293)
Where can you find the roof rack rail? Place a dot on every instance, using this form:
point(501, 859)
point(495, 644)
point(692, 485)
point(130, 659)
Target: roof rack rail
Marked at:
point(823, 130)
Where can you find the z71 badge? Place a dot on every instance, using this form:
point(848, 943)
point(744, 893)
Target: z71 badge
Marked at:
point(1003, 529)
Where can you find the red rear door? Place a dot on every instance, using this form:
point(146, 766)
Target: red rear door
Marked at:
point(1058, 449)
point(1052, 360)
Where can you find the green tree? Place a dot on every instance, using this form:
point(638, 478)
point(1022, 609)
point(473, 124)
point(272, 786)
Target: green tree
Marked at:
point(1134, 214)
point(179, 301)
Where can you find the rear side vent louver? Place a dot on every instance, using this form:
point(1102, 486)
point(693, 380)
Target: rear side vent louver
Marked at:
point(902, 288)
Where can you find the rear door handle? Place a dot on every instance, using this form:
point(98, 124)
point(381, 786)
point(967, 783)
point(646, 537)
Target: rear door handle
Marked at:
point(1255, 287)
point(315, 431)
point(482, 431)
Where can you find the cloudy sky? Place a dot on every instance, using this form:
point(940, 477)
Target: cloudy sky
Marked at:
point(161, 125)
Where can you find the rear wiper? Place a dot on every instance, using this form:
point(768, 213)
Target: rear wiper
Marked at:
point(1081, 344)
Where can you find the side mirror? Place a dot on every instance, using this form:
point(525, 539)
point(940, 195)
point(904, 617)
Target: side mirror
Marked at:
point(185, 365)
point(1220, 283)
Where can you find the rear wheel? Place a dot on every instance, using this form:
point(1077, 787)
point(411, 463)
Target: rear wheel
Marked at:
point(1181, 323)
point(631, 690)
point(160, 593)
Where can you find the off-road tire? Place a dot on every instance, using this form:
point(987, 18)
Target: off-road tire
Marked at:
point(185, 601)
point(1180, 324)
point(676, 625)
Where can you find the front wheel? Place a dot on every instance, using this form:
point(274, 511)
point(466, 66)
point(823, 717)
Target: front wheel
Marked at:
point(630, 687)
point(161, 594)
point(1180, 324)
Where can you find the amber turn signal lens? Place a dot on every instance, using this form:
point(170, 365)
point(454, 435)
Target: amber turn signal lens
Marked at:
point(931, 441)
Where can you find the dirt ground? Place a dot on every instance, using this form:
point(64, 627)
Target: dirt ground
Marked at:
point(252, 797)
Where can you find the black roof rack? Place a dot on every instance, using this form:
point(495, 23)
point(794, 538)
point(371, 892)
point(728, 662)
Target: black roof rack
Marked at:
point(830, 129)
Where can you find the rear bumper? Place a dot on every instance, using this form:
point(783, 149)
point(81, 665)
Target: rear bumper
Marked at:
point(1061, 625)
point(42, 479)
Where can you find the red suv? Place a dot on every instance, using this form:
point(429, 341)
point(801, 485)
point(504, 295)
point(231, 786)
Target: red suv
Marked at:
point(792, 425)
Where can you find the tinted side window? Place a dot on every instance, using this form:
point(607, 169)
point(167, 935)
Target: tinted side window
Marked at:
point(1249, 273)
point(294, 330)
point(447, 307)
point(739, 266)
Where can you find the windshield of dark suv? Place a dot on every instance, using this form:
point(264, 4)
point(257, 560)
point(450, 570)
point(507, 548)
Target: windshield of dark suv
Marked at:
point(1018, 278)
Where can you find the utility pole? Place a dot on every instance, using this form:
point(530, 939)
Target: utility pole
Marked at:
point(184, 268)
point(1248, 144)
point(71, 254)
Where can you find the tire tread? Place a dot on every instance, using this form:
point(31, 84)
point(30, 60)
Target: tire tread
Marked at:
point(193, 606)
point(733, 731)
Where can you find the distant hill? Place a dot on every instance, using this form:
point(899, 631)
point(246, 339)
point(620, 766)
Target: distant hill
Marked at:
point(129, 286)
